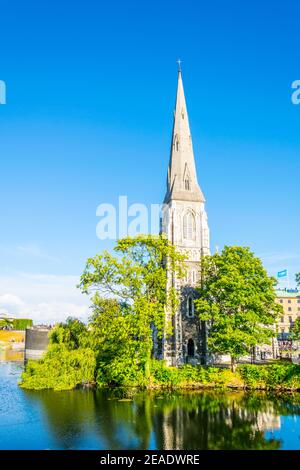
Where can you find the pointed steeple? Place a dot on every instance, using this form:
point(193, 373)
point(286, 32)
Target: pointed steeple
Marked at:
point(182, 183)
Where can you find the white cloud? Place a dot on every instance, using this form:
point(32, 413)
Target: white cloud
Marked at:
point(44, 298)
point(10, 302)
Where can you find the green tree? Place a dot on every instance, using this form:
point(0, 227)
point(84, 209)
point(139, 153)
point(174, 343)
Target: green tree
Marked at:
point(136, 277)
point(298, 279)
point(22, 323)
point(68, 361)
point(6, 324)
point(60, 369)
point(237, 299)
point(71, 333)
point(295, 330)
point(112, 335)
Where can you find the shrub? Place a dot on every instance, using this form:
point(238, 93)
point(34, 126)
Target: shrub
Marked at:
point(274, 376)
point(254, 376)
point(120, 372)
point(187, 375)
point(60, 369)
point(283, 375)
point(164, 375)
point(21, 323)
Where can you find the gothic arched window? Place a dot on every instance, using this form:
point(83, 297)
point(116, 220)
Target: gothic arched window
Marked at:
point(191, 348)
point(189, 226)
point(187, 184)
point(190, 307)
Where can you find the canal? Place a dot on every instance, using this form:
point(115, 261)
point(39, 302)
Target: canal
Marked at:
point(122, 419)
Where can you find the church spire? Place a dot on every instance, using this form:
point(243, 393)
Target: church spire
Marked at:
point(182, 181)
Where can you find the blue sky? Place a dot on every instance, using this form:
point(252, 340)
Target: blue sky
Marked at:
point(90, 96)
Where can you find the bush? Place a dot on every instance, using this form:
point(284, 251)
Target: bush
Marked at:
point(274, 376)
point(188, 375)
point(120, 372)
point(60, 369)
point(21, 323)
point(253, 376)
point(164, 375)
point(285, 375)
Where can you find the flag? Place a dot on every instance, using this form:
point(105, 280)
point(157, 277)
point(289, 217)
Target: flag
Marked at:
point(282, 273)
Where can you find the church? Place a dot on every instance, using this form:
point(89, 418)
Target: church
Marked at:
point(184, 221)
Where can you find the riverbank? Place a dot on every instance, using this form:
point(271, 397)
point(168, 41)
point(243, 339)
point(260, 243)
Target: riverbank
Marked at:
point(12, 344)
point(278, 376)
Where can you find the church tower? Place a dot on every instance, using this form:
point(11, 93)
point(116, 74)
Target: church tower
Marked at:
point(184, 221)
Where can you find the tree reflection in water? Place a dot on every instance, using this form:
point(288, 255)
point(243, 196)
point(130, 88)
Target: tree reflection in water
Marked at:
point(122, 419)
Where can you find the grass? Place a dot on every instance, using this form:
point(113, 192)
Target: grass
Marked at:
point(12, 336)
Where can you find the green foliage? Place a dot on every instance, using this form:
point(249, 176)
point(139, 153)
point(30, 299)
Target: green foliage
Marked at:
point(273, 376)
point(193, 376)
point(237, 299)
point(121, 372)
point(6, 324)
point(254, 376)
point(295, 330)
point(60, 369)
point(67, 363)
point(112, 337)
point(164, 375)
point(298, 279)
point(72, 333)
point(21, 323)
point(119, 333)
point(122, 327)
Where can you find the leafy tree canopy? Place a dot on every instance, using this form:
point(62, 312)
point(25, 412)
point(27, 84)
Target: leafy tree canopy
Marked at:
point(71, 333)
point(295, 330)
point(135, 279)
point(237, 299)
point(129, 301)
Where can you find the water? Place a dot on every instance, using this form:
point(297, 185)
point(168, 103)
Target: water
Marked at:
point(93, 419)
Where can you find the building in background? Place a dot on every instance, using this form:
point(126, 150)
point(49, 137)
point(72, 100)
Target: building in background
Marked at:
point(290, 301)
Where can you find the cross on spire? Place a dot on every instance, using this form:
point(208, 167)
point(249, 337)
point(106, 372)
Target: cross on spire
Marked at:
point(179, 65)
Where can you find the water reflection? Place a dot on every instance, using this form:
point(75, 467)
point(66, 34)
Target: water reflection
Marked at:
point(11, 355)
point(199, 420)
point(122, 419)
